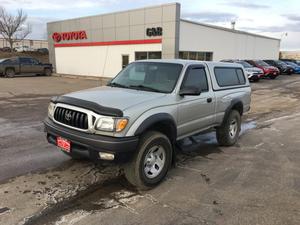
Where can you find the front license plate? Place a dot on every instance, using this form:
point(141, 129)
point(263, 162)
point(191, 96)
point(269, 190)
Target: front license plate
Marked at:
point(64, 144)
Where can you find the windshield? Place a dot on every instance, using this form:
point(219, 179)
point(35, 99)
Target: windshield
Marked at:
point(2, 60)
point(245, 64)
point(291, 63)
point(280, 63)
point(148, 76)
point(261, 63)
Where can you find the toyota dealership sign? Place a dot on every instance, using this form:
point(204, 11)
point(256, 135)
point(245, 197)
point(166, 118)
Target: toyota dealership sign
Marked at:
point(68, 36)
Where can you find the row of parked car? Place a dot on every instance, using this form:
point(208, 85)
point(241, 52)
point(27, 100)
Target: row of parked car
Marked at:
point(257, 69)
point(25, 49)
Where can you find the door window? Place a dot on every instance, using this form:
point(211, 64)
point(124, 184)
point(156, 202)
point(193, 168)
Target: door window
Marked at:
point(34, 61)
point(26, 61)
point(196, 77)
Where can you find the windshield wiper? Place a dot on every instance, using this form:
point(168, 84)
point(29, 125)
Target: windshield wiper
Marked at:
point(114, 84)
point(143, 87)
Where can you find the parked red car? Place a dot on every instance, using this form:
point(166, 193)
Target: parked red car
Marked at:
point(269, 71)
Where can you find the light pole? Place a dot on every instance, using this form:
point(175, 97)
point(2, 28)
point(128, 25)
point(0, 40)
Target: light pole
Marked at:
point(285, 34)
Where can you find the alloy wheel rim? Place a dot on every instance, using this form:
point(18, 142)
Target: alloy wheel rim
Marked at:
point(154, 161)
point(10, 73)
point(233, 127)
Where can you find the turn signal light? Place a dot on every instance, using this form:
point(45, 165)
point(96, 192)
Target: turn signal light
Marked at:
point(121, 124)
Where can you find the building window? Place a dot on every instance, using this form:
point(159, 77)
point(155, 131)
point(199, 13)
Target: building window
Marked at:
point(202, 56)
point(154, 55)
point(147, 55)
point(125, 60)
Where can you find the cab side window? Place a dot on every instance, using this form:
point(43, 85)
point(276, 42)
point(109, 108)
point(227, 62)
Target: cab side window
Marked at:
point(196, 77)
point(26, 61)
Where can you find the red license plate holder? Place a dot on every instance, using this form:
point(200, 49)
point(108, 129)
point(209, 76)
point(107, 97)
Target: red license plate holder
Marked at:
point(64, 144)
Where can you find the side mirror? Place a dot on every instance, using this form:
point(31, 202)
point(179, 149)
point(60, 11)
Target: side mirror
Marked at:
point(193, 91)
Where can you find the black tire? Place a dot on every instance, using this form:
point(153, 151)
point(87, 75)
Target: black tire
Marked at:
point(47, 72)
point(224, 132)
point(135, 170)
point(273, 77)
point(10, 72)
point(256, 80)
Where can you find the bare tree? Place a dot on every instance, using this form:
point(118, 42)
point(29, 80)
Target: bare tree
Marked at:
point(12, 27)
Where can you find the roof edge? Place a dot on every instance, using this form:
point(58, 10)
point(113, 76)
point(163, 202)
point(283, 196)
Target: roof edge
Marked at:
point(114, 12)
point(228, 29)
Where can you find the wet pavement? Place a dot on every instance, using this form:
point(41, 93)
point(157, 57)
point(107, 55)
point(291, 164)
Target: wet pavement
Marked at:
point(257, 181)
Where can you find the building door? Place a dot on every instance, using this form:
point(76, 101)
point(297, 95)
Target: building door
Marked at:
point(125, 60)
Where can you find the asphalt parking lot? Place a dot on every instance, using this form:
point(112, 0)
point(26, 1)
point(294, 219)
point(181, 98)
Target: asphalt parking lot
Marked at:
point(257, 181)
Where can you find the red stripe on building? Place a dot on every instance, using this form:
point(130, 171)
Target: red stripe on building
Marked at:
point(105, 43)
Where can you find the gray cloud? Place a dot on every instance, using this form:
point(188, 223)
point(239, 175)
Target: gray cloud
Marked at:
point(248, 5)
point(211, 17)
point(290, 27)
point(292, 17)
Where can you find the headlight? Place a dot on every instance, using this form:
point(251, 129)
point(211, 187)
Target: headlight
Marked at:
point(111, 124)
point(51, 108)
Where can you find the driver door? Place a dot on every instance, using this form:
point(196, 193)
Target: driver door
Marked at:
point(196, 113)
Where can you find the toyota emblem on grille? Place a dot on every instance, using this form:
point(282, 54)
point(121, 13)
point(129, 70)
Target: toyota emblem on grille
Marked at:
point(68, 116)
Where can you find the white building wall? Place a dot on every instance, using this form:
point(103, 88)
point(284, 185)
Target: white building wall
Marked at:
point(104, 61)
point(226, 44)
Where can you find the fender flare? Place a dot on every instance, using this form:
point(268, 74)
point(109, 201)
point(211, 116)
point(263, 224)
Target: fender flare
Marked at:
point(234, 102)
point(159, 118)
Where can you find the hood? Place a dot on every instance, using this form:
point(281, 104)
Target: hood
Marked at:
point(119, 98)
point(270, 67)
point(47, 64)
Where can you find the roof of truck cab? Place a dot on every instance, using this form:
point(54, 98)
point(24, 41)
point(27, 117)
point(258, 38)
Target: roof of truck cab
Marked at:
point(189, 62)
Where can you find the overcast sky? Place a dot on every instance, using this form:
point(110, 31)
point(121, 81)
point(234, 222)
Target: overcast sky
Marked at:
point(269, 17)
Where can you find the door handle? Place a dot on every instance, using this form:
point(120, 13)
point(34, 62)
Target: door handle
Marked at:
point(209, 100)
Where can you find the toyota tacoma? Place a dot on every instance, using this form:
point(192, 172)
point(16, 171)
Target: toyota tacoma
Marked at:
point(142, 113)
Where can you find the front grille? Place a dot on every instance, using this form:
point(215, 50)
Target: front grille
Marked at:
point(71, 118)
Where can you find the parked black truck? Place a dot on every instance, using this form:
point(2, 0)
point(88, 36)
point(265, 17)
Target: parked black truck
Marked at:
point(23, 65)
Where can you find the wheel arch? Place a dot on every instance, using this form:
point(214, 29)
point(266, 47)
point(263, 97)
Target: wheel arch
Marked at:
point(9, 67)
point(235, 104)
point(162, 122)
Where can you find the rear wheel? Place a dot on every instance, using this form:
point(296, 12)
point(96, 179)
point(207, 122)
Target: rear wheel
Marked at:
point(10, 73)
point(151, 161)
point(228, 133)
point(273, 77)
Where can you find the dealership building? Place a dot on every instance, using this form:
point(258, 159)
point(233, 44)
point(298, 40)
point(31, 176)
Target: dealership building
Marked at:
point(102, 45)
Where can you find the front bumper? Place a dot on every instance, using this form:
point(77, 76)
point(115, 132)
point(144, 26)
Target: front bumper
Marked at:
point(253, 77)
point(89, 145)
point(272, 74)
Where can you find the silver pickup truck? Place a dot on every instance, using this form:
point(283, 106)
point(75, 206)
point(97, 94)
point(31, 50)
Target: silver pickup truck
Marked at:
point(140, 115)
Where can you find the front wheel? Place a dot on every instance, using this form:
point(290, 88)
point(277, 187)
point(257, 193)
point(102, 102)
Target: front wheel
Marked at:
point(10, 73)
point(151, 162)
point(228, 133)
